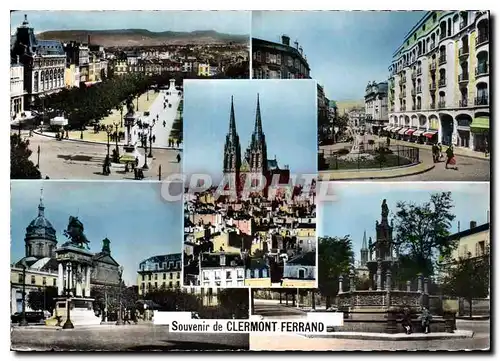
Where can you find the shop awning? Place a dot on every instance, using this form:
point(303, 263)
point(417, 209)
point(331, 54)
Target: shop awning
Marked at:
point(430, 134)
point(480, 125)
point(394, 130)
point(418, 133)
point(410, 131)
point(402, 131)
point(387, 128)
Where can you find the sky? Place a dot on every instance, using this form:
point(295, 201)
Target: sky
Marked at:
point(358, 206)
point(288, 113)
point(230, 22)
point(345, 49)
point(133, 216)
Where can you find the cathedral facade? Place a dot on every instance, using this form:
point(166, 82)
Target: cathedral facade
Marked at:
point(254, 167)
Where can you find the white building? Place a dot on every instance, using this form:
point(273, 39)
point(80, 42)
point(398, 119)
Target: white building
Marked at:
point(376, 106)
point(439, 80)
point(221, 270)
point(16, 90)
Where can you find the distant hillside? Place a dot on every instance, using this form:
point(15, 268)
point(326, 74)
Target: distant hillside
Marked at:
point(141, 37)
point(346, 105)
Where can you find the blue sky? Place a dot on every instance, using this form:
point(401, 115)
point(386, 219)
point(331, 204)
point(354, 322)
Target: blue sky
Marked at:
point(137, 221)
point(288, 112)
point(231, 22)
point(358, 206)
point(345, 49)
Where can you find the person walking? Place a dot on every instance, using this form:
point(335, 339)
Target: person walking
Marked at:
point(450, 158)
point(126, 319)
point(440, 151)
point(178, 158)
point(486, 148)
point(426, 320)
point(406, 322)
point(388, 141)
point(435, 151)
point(154, 138)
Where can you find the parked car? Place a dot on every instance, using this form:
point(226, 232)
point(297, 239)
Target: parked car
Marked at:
point(31, 317)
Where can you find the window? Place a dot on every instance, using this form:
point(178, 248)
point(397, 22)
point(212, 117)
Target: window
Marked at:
point(156, 284)
point(257, 55)
point(163, 284)
point(20, 278)
point(178, 275)
point(217, 275)
point(149, 277)
point(206, 275)
point(228, 275)
point(256, 273)
point(54, 282)
point(164, 276)
point(278, 59)
point(44, 281)
point(268, 57)
point(170, 264)
point(249, 273)
point(156, 276)
point(222, 260)
point(171, 275)
point(170, 284)
point(33, 280)
point(302, 273)
point(264, 273)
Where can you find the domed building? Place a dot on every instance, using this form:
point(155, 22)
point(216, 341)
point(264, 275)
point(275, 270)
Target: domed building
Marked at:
point(41, 264)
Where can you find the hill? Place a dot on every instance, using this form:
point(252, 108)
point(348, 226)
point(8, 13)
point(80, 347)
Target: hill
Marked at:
point(346, 105)
point(141, 37)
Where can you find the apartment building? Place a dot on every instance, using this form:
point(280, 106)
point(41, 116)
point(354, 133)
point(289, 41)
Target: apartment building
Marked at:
point(162, 271)
point(376, 106)
point(439, 80)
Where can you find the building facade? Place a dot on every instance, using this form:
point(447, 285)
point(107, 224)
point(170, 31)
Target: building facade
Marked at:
point(44, 62)
point(439, 80)
point(376, 110)
point(163, 271)
point(16, 90)
point(221, 270)
point(278, 60)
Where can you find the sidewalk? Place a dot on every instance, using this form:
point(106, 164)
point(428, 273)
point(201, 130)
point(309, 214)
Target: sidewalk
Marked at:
point(384, 173)
point(396, 336)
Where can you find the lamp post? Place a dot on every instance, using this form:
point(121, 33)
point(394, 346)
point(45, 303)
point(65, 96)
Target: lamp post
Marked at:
point(68, 324)
point(109, 129)
point(121, 115)
point(38, 157)
point(145, 146)
point(23, 321)
point(119, 321)
point(116, 141)
point(150, 155)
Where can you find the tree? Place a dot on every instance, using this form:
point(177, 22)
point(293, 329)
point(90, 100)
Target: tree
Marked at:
point(469, 277)
point(234, 301)
point(21, 167)
point(334, 260)
point(422, 233)
point(42, 299)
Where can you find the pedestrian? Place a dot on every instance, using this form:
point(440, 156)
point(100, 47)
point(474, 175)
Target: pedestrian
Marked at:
point(136, 173)
point(178, 158)
point(164, 124)
point(486, 148)
point(126, 167)
point(126, 319)
point(178, 142)
point(388, 141)
point(406, 322)
point(426, 318)
point(450, 158)
point(440, 151)
point(136, 161)
point(434, 153)
point(154, 138)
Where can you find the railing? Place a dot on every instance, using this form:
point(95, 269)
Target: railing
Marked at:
point(419, 89)
point(483, 100)
point(463, 24)
point(442, 59)
point(414, 75)
point(433, 105)
point(482, 69)
point(441, 104)
point(413, 92)
point(419, 107)
point(419, 71)
point(463, 51)
point(462, 103)
point(432, 66)
point(432, 86)
point(482, 38)
point(463, 77)
point(374, 156)
point(442, 83)
point(432, 46)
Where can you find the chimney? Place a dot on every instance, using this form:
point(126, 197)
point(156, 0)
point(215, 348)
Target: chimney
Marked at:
point(285, 40)
point(473, 224)
point(88, 39)
point(296, 43)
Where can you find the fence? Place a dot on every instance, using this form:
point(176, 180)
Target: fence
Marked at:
point(370, 156)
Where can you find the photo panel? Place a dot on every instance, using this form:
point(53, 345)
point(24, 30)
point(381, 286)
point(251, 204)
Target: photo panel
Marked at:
point(102, 99)
point(103, 256)
point(407, 264)
point(407, 102)
point(250, 173)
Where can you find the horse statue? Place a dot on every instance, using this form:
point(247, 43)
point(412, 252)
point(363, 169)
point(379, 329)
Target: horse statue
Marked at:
point(74, 232)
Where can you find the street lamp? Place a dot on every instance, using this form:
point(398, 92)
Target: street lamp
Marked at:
point(145, 146)
point(121, 115)
point(23, 321)
point(109, 130)
point(38, 157)
point(116, 139)
point(119, 321)
point(68, 324)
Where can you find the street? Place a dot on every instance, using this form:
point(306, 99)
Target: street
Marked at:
point(68, 159)
point(145, 337)
point(272, 309)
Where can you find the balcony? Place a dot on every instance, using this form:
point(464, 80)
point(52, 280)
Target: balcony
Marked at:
point(441, 104)
point(414, 75)
point(419, 89)
point(482, 38)
point(413, 92)
point(462, 103)
point(433, 106)
point(413, 107)
point(482, 100)
point(419, 71)
point(432, 46)
point(463, 24)
point(432, 87)
point(432, 66)
point(463, 52)
point(442, 59)
point(463, 78)
point(442, 83)
point(403, 108)
point(482, 69)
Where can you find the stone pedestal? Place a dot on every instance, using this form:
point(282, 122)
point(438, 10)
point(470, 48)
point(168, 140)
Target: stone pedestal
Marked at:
point(81, 311)
point(392, 324)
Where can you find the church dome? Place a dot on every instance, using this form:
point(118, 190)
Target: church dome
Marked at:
point(40, 227)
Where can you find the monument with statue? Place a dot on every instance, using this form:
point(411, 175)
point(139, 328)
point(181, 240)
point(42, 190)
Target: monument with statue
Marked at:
point(74, 306)
point(130, 119)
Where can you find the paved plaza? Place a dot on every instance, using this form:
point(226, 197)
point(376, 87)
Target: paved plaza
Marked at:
point(142, 337)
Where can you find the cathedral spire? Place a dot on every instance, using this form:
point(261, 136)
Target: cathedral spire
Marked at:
point(41, 207)
point(258, 120)
point(364, 245)
point(232, 121)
